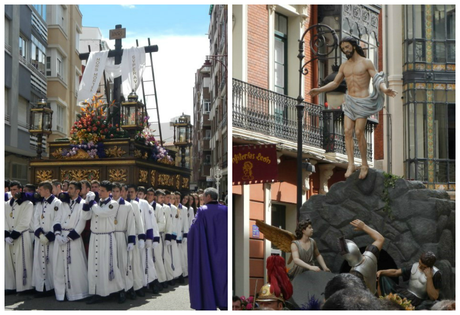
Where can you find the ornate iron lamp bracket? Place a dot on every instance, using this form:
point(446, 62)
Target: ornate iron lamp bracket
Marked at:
point(321, 45)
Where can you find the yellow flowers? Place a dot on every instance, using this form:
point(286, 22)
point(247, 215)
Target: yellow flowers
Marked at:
point(397, 299)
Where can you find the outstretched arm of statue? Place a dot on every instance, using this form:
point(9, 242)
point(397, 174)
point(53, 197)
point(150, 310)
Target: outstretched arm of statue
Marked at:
point(330, 86)
point(387, 91)
point(376, 236)
point(432, 292)
point(389, 273)
point(300, 262)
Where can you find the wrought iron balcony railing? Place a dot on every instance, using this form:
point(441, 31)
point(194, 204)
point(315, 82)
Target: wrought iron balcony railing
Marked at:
point(272, 114)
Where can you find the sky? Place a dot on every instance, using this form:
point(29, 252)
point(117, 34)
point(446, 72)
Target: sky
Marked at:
point(180, 31)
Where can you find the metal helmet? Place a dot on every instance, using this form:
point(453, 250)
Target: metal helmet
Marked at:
point(350, 252)
point(266, 296)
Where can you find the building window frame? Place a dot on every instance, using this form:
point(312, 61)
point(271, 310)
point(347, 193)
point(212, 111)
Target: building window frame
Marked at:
point(23, 45)
point(281, 44)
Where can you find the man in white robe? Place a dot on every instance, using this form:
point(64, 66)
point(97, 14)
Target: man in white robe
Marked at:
point(150, 274)
point(160, 250)
point(125, 234)
point(44, 215)
point(138, 271)
point(18, 242)
point(70, 265)
point(104, 276)
point(159, 267)
point(173, 265)
point(184, 211)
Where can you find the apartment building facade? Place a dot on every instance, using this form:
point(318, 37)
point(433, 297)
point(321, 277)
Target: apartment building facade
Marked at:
point(26, 40)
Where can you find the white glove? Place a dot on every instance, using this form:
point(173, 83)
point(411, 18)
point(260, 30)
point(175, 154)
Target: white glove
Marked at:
point(148, 244)
point(141, 244)
point(130, 247)
point(61, 239)
point(90, 196)
point(168, 243)
point(43, 239)
point(9, 240)
point(184, 240)
point(155, 244)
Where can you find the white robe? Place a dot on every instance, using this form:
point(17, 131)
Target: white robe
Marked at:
point(44, 215)
point(148, 265)
point(191, 216)
point(172, 261)
point(70, 264)
point(104, 277)
point(158, 252)
point(138, 272)
point(184, 228)
point(18, 257)
point(124, 227)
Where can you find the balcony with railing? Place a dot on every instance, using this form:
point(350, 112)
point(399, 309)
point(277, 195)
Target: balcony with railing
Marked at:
point(271, 114)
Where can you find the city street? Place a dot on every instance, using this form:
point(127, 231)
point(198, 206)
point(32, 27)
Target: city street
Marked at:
point(175, 298)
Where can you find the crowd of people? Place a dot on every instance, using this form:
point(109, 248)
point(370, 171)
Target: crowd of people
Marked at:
point(81, 239)
point(363, 288)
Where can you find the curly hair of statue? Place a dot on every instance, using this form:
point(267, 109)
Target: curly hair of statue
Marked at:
point(300, 227)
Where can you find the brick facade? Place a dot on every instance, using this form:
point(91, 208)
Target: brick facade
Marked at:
point(258, 49)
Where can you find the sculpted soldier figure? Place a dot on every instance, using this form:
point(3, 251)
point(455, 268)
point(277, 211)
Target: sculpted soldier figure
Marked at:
point(424, 282)
point(358, 71)
point(364, 266)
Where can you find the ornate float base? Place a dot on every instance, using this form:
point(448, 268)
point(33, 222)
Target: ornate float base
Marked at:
point(126, 162)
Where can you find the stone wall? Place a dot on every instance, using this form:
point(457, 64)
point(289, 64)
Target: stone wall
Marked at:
point(421, 220)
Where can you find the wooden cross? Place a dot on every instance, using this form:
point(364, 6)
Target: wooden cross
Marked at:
point(118, 33)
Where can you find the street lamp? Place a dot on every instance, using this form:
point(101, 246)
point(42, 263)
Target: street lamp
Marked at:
point(182, 135)
point(323, 41)
point(218, 177)
point(132, 114)
point(40, 123)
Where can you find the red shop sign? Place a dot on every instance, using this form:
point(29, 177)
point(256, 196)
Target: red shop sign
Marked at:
point(254, 164)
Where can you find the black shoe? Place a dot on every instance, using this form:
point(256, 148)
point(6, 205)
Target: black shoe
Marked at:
point(172, 282)
point(140, 292)
point(94, 299)
point(121, 297)
point(164, 284)
point(10, 292)
point(154, 288)
point(132, 295)
point(158, 286)
point(181, 279)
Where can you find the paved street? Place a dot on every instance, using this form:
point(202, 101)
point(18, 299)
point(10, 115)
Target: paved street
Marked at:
point(175, 298)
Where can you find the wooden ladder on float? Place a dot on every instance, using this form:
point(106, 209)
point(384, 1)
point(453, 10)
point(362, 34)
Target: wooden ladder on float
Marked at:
point(147, 97)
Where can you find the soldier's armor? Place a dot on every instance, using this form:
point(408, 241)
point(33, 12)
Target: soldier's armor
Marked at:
point(417, 281)
point(368, 268)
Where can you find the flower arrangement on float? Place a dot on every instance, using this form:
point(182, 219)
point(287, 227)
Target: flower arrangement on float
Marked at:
point(93, 125)
point(158, 153)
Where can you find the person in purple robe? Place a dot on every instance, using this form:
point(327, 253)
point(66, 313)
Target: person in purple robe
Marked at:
point(207, 255)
